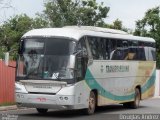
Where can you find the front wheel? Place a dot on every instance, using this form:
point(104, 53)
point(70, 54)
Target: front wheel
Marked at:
point(92, 104)
point(41, 110)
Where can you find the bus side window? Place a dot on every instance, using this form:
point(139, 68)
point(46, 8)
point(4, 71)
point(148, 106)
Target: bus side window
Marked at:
point(81, 59)
point(121, 46)
point(132, 52)
point(93, 46)
point(102, 49)
point(98, 48)
point(125, 49)
point(112, 49)
point(151, 51)
point(141, 51)
point(108, 48)
point(119, 49)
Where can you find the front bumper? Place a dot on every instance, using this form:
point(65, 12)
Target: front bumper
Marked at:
point(45, 101)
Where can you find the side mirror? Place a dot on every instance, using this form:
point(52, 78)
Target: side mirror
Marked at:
point(6, 60)
point(72, 61)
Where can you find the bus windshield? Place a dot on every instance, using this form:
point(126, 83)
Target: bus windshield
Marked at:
point(46, 58)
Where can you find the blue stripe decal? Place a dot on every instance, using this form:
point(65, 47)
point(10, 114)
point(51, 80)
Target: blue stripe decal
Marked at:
point(93, 84)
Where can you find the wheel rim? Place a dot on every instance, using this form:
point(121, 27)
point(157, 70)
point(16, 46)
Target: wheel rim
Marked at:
point(137, 100)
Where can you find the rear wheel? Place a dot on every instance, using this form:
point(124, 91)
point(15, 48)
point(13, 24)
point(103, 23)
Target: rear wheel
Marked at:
point(41, 110)
point(135, 103)
point(92, 104)
point(126, 105)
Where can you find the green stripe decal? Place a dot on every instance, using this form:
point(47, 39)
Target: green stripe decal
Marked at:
point(149, 83)
point(93, 84)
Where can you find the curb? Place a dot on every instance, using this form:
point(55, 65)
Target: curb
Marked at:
point(5, 108)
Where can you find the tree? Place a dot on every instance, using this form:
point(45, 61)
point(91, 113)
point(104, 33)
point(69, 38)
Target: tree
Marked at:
point(73, 12)
point(117, 24)
point(149, 26)
point(13, 29)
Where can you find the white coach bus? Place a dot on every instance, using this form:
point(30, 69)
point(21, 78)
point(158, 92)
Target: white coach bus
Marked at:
point(83, 67)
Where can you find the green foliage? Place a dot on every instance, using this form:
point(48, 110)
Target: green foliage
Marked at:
point(117, 24)
point(13, 29)
point(150, 26)
point(73, 12)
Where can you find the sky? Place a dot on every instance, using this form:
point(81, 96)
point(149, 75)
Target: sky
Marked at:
point(128, 11)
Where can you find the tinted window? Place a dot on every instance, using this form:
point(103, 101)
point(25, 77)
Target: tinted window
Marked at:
point(107, 49)
point(113, 48)
point(119, 49)
point(102, 49)
point(153, 54)
point(92, 45)
point(141, 53)
point(132, 50)
point(59, 47)
point(82, 46)
point(33, 46)
point(97, 47)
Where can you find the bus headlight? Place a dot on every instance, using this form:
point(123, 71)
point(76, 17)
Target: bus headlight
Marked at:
point(19, 88)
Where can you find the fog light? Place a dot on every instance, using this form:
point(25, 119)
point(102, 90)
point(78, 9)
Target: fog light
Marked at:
point(66, 98)
point(22, 96)
point(18, 96)
point(61, 98)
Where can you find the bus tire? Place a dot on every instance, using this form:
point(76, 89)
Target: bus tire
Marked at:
point(92, 104)
point(41, 110)
point(135, 103)
point(126, 105)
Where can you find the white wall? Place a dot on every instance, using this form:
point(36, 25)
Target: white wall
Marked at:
point(157, 84)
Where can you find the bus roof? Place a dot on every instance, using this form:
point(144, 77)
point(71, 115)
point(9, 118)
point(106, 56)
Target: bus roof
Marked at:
point(76, 32)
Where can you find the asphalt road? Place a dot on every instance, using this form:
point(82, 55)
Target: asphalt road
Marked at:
point(149, 110)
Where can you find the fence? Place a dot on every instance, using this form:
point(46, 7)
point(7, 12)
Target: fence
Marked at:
point(7, 79)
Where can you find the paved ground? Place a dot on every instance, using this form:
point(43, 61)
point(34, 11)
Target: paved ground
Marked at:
point(147, 111)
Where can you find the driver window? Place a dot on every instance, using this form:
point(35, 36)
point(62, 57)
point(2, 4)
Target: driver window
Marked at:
point(82, 59)
point(82, 47)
